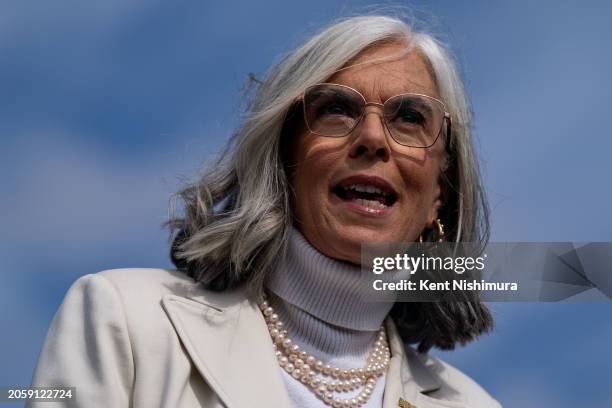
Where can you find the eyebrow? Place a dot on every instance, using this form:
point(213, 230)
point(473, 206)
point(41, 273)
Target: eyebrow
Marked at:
point(420, 102)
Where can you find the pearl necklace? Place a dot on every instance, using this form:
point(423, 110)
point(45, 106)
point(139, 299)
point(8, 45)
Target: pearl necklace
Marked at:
point(312, 372)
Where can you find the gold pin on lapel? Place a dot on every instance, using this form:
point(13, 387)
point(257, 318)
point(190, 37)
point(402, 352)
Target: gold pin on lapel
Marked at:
point(402, 403)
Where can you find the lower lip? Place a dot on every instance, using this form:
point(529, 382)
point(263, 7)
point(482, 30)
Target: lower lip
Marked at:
point(363, 210)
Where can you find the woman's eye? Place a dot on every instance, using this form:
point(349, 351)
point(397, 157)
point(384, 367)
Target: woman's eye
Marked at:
point(411, 116)
point(335, 109)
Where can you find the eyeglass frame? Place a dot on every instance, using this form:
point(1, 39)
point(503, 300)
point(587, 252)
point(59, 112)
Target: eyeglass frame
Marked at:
point(446, 117)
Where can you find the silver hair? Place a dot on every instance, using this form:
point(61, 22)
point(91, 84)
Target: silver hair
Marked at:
point(238, 214)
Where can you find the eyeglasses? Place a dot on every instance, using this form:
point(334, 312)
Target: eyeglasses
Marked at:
point(413, 120)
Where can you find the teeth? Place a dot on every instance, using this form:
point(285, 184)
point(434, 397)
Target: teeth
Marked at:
point(366, 188)
point(370, 204)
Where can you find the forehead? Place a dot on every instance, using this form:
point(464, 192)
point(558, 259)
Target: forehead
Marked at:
point(378, 81)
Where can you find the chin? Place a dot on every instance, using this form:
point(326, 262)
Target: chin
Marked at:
point(352, 237)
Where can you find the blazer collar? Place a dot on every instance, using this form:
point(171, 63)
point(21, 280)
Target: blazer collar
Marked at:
point(227, 339)
point(408, 378)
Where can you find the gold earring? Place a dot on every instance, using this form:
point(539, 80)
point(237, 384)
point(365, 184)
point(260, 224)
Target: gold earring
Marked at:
point(440, 231)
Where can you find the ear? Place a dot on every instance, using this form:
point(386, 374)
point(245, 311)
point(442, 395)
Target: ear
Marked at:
point(435, 205)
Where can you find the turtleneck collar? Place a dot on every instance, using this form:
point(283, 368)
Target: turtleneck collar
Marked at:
point(318, 299)
point(325, 288)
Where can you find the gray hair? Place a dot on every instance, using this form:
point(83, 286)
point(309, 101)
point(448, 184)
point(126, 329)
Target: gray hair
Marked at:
point(238, 214)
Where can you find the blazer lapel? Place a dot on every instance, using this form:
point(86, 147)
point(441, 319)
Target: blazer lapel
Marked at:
point(228, 342)
point(408, 378)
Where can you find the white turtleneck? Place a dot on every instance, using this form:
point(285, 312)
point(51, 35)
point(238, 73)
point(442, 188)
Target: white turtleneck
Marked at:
point(318, 300)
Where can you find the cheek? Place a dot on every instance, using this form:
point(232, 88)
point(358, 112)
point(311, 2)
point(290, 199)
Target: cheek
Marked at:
point(315, 159)
point(420, 176)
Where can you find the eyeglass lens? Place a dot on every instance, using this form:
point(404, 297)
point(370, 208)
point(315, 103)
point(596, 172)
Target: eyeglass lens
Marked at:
point(333, 110)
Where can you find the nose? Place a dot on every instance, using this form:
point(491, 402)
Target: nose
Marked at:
point(370, 140)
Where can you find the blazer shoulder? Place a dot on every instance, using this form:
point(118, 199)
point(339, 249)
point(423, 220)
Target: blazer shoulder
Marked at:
point(144, 276)
point(456, 385)
point(140, 286)
point(138, 296)
point(135, 290)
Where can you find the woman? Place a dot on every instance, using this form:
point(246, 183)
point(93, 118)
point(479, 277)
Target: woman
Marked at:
point(348, 140)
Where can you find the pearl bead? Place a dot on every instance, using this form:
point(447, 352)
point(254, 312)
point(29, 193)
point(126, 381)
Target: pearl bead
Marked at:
point(327, 369)
point(328, 397)
point(268, 311)
point(299, 363)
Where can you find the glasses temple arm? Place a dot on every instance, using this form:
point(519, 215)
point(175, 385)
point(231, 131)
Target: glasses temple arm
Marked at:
point(447, 118)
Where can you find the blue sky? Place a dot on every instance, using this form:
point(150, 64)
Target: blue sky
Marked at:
point(108, 106)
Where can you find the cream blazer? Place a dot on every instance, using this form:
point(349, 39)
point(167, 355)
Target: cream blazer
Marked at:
point(147, 338)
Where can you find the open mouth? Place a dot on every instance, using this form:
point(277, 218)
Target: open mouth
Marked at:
point(372, 193)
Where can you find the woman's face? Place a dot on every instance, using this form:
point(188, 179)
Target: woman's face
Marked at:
point(367, 158)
